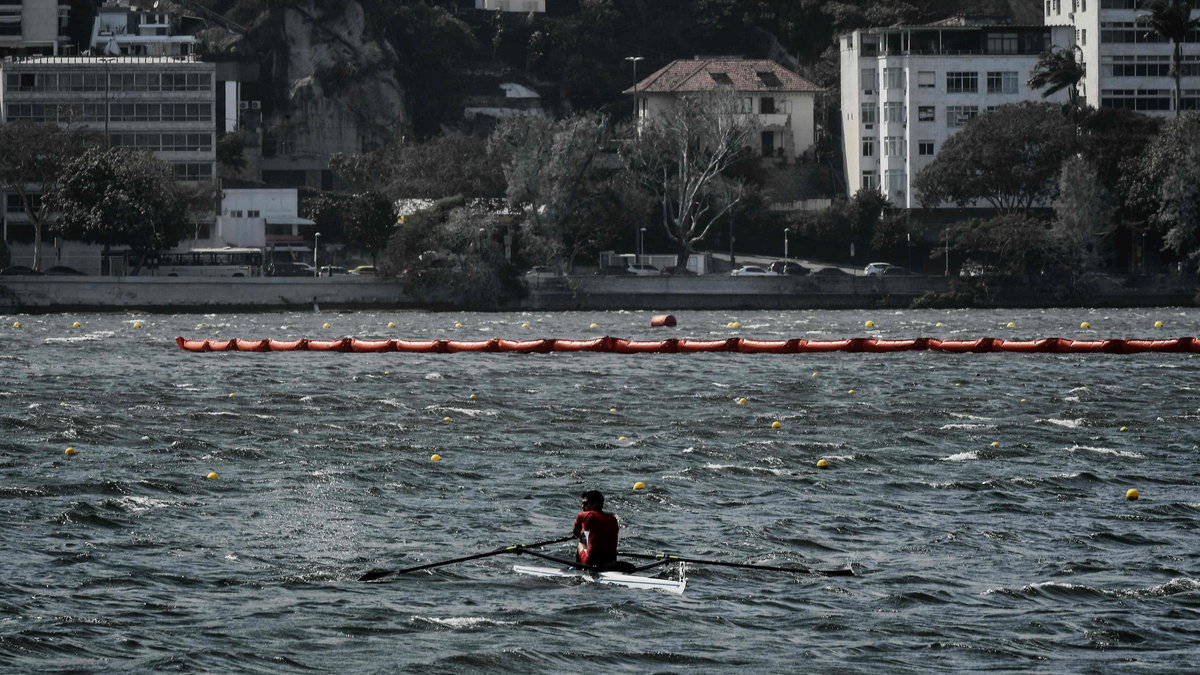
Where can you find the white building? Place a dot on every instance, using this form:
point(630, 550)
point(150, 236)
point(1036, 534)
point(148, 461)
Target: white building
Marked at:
point(525, 6)
point(906, 89)
point(782, 100)
point(121, 30)
point(259, 218)
point(1126, 65)
point(33, 26)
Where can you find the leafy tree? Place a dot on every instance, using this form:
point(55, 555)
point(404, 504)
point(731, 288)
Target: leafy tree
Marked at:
point(366, 219)
point(1014, 243)
point(33, 160)
point(1008, 158)
point(1083, 216)
point(121, 197)
point(1056, 70)
point(682, 155)
point(439, 167)
point(1165, 184)
point(1171, 20)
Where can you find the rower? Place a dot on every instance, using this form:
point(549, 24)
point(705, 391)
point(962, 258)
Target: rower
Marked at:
point(597, 534)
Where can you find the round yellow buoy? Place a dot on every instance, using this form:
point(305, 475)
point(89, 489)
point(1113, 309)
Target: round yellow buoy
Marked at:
point(199, 325)
point(16, 324)
point(391, 324)
point(472, 397)
point(822, 464)
point(869, 324)
point(639, 485)
point(76, 325)
point(595, 325)
point(776, 424)
point(233, 396)
point(1024, 400)
point(816, 374)
point(939, 324)
point(850, 391)
point(69, 451)
point(1012, 324)
point(1085, 325)
point(213, 475)
point(326, 325)
point(612, 410)
point(447, 419)
point(525, 325)
point(435, 458)
point(1124, 428)
point(1158, 324)
point(734, 324)
point(387, 372)
point(1132, 494)
point(622, 439)
point(457, 325)
point(743, 400)
point(137, 324)
point(995, 444)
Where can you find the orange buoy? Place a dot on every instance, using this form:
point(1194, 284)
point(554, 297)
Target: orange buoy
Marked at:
point(660, 320)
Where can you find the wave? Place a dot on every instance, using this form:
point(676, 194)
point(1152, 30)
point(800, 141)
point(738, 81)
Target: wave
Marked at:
point(461, 622)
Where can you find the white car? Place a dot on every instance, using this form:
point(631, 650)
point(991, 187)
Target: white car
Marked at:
point(752, 271)
point(876, 269)
point(643, 270)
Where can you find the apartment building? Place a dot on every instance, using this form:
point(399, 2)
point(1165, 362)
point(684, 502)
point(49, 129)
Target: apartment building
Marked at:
point(33, 26)
point(1126, 65)
point(906, 89)
point(123, 30)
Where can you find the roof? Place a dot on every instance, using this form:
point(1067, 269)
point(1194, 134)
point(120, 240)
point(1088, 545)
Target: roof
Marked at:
point(691, 75)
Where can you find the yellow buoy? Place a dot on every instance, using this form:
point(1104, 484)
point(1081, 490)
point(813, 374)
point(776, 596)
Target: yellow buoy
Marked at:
point(1124, 428)
point(233, 396)
point(447, 419)
point(213, 475)
point(387, 372)
point(435, 458)
point(869, 324)
point(472, 397)
point(816, 374)
point(76, 325)
point(995, 444)
point(612, 410)
point(525, 325)
point(137, 324)
point(1132, 494)
point(16, 324)
point(595, 325)
point(1012, 324)
point(743, 400)
point(1024, 400)
point(639, 485)
point(851, 391)
point(199, 325)
point(1085, 325)
point(69, 451)
point(776, 424)
point(391, 324)
point(734, 324)
point(458, 325)
point(822, 464)
point(622, 439)
point(1158, 324)
point(939, 324)
point(326, 325)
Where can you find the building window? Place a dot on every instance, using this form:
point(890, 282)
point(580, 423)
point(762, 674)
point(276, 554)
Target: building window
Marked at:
point(1136, 99)
point(925, 113)
point(868, 147)
point(893, 146)
point(870, 180)
point(958, 115)
point(925, 148)
point(253, 214)
point(869, 115)
point(1002, 83)
point(962, 83)
point(895, 180)
point(1002, 43)
point(893, 112)
point(868, 80)
point(894, 78)
point(926, 79)
point(237, 213)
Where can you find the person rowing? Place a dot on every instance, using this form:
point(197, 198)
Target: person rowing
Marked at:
point(597, 532)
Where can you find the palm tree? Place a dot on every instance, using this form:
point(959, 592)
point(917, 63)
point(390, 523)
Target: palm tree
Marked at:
point(1056, 70)
point(1171, 20)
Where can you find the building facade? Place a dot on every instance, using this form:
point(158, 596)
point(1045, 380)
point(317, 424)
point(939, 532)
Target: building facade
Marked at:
point(261, 218)
point(121, 30)
point(906, 89)
point(1126, 65)
point(33, 26)
point(782, 100)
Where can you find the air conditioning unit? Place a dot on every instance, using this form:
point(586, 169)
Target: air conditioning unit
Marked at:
point(256, 105)
point(243, 105)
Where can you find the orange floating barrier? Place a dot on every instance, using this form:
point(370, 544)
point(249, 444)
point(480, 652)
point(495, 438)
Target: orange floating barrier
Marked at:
point(372, 346)
point(726, 345)
point(603, 344)
point(824, 345)
point(623, 346)
point(961, 346)
point(288, 345)
point(877, 346)
point(252, 345)
point(342, 345)
point(421, 346)
point(541, 346)
point(1026, 346)
point(455, 346)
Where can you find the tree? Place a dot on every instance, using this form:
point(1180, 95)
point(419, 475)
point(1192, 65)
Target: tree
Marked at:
point(1009, 244)
point(1008, 158)
point(121, 197)
point(1171, 20)
point(33, 157)
point(682, 155)
point(366, 219)
point(1082, 216)
point(1164, 186)
point(440, 167)
point(1056, 70)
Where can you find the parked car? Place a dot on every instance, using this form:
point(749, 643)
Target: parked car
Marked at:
point(541, 272)
point(788, 267)
point(876, 269)
point(365, 270)
point(642, 270)
point(752, 271)
point(20, 271)
point(831, 272)
point(897, 271)
point(332, 270)
point(291, 269)
point(64, 271)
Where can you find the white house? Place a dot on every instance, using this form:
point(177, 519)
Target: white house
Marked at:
point(906, 89)
point(782, 100)
point(258, 218)
point(1126, 65)
point(33, 26)
point(119, 29)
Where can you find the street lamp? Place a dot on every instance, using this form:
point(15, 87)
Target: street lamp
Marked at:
point(641, 244)
point(634, 60)
point(316, 246)
point(786, 232)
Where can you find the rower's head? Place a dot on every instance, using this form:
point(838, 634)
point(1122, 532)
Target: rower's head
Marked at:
point(592, 500)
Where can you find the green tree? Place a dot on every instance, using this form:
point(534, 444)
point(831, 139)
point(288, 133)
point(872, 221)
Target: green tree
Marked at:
point(1083, 216)
point(1171, 20)
point(121, 197)
point(33, 160)
point(1008, 158)
point(366, 220)
point(440, 167)
point(1056, 70)
point(1011, 244)
point(682, 156)
point(1164, 186)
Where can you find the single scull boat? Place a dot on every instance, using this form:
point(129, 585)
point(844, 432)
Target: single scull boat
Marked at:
point(616, 578)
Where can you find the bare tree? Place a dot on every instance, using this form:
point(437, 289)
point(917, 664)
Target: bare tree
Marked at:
point(682, 155)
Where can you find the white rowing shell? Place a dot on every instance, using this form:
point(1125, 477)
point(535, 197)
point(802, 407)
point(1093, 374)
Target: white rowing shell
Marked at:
point(630, 580)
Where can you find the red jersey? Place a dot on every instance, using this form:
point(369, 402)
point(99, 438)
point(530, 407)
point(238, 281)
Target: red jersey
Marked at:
point(599, 531)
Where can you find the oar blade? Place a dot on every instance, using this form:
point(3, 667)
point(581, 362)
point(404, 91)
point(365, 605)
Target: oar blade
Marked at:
point(834, 573)
point(372, 575)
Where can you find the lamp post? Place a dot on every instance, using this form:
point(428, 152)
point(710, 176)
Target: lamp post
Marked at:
point(786, 232)
point(634, 60)
point(316, 247)
point(641, 244)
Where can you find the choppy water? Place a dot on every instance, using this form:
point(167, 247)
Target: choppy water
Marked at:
point(979, 496)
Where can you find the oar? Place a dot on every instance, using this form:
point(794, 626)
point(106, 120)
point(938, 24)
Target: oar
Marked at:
point(721, 563)
point(378, 574)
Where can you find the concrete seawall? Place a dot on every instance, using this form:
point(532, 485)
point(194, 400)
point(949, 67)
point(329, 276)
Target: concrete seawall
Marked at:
point(54, 294)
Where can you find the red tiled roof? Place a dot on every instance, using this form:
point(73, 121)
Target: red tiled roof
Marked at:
point(711, 74)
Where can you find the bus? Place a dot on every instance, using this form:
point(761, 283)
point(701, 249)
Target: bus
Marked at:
point(208, 262)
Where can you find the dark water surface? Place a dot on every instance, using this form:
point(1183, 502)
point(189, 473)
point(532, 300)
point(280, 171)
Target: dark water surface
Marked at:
point(979, 496)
